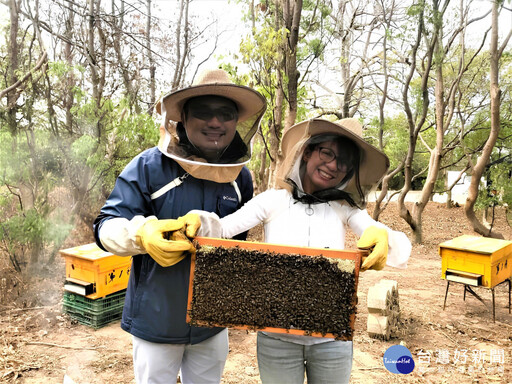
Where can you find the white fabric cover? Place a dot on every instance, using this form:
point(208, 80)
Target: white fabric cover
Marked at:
point(118, 235)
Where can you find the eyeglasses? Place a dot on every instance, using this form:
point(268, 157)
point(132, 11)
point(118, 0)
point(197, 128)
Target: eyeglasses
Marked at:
point(223, 114)
point(328, 155)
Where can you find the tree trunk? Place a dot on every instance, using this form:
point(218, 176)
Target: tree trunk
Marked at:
point(384, 191)
point(14, 54)
point(275, 133)
point(182, 45)
point(91, 51)
point(414, 127)
point(70, 76)
point(378, 209)
point(482, 161)
point(292, 10)
point(151, 61)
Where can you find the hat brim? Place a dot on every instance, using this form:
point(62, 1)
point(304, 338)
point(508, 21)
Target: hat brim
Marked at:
point(248, 101)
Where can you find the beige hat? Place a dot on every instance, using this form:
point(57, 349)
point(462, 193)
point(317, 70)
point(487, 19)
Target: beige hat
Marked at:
point(251, 107)
point(373, 165)
point(213, 82)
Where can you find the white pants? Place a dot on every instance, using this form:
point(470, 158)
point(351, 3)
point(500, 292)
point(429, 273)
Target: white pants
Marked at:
point(201, 363)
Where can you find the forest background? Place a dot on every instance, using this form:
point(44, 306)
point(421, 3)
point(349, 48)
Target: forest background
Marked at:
point(429, 79)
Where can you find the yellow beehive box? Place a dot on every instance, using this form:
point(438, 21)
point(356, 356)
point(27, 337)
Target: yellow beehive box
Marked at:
point(487, 261)
point(94, 273)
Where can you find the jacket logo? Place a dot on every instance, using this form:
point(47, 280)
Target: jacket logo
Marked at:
point(229, 198)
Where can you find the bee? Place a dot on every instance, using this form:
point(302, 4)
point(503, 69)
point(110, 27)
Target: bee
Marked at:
point(236, 286)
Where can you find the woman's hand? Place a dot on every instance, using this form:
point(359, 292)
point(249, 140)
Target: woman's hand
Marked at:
point(376, 240)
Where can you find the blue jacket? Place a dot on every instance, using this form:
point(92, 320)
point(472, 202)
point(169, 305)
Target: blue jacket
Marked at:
point(156, 298)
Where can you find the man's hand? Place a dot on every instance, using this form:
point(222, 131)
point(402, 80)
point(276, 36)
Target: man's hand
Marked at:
point(167, 241)
point(376, 240)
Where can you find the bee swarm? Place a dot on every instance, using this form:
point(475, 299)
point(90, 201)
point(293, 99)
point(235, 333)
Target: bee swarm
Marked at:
point(255, 289)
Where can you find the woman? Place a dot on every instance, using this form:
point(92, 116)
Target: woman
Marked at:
point(326, 173)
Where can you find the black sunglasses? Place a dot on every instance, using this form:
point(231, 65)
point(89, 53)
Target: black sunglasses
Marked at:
point(223, 114)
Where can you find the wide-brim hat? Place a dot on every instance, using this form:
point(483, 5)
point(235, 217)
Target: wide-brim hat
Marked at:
point(214, 82)
point(373, 165)
point(251, 108)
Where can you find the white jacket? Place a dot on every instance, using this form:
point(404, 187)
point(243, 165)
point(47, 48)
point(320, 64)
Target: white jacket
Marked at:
point(289, 222)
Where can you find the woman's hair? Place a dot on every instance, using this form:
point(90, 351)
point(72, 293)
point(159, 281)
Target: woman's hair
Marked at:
point(348, 153)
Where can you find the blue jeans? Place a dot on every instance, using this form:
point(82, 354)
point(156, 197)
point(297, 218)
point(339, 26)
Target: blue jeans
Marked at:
point(282, 362)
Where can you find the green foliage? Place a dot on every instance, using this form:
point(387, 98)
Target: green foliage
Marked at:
point(24, 158)
point(130, 135)
point(395, 140)
point(395, 137)
point(497, 191)
point(124, 135)
point(416, 8)
point(37, 164)
point(264, 50)
point(32, 168)
point(29, 228)
point(261, 49)
point(83, 149)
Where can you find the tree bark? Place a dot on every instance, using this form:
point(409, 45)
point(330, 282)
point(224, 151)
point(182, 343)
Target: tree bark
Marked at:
point(292, 10)
point(151, 61)
point(479, 167)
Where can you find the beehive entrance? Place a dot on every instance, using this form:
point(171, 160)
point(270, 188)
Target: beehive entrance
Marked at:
point(261, 289)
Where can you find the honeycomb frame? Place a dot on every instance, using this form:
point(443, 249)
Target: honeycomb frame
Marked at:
point(274, 288)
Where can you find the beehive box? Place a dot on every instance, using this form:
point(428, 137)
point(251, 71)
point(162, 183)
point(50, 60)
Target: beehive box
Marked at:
point(476, 260)
point(275, 288)
point(94, 273)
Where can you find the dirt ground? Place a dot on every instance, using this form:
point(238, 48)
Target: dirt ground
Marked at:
point(460, 344)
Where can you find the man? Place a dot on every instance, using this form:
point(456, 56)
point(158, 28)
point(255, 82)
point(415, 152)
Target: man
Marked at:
point(198, 164)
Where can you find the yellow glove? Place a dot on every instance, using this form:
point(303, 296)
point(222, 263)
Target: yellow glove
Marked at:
point(375, 239)
point(166, 241)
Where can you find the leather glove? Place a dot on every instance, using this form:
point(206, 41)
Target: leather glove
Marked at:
point(167, 241)
point(376, 240)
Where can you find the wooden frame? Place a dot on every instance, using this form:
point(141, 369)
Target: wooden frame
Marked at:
point(355, 255)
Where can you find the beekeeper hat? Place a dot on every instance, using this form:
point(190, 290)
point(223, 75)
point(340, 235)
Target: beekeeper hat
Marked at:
point(251, 106)
point(214, 82)
point(373, 163)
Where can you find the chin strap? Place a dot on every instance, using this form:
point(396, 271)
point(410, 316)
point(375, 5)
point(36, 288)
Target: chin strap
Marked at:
point(306, 198)
point(319, 197)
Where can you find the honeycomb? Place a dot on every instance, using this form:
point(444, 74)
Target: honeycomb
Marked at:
point(253, 289)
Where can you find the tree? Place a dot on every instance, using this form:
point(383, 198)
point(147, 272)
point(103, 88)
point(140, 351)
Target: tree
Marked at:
point(496, 53)
point(68, 126)
point(439, 57)
point(288, 37)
